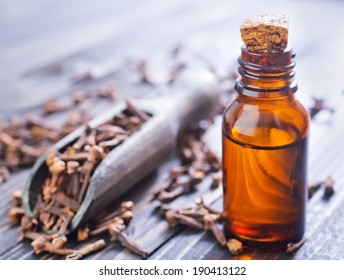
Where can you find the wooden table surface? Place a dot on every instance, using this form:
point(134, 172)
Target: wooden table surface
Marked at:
point(44, 44)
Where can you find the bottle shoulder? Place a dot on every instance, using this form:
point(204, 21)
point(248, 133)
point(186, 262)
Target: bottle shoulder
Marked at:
point(266, 122)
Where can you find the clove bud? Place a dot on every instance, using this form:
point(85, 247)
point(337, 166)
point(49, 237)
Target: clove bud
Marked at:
point(329, 190)
point(116, 230)
point(292, 248)
point(234, 246)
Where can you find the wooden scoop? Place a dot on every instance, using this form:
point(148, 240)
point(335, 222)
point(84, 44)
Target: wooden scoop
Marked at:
point(142, 152)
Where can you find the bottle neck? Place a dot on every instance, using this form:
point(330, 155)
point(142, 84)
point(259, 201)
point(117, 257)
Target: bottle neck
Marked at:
point(266, 75)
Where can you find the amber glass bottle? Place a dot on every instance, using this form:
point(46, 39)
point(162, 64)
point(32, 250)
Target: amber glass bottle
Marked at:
point(265, 131)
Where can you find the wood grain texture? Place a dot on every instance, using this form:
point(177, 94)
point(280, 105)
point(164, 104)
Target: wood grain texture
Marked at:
point(39, 61)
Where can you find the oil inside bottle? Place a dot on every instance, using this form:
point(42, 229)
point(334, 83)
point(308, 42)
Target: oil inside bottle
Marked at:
point(264, 192)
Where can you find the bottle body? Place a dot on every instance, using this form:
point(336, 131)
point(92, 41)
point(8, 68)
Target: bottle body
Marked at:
point(265, 132)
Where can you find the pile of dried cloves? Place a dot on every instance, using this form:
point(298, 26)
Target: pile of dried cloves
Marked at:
point(24, 139)
point(201, 217)
point(198, 162)
point(65, 186)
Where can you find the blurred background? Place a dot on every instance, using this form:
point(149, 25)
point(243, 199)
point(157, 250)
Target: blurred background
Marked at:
point(100, 36)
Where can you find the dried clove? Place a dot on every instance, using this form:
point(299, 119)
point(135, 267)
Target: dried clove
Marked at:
point(136, 112)
point(210, 221)
point(117, 232)
point(113, 143)
point(216, 180)
point(124, 213)
point(198, 217)
point(234, 246)
point(32, 151)
point(56, 168)
point(165, 185)
point(67, 219)
point(292, 248)
point(176, 50)
point(168, 196)
point(59, 241)
point(15, 215)
point(142, 69)
point(91, 137)
point(328, 184)
point(83, 234)
point(175, 72)
point(197, 175)
point(318, 106)
point(88, 249)
point(108, 132)
point(86, 174)
point(52, 209)
point(313, 188)
point(66, 201)
point(127, 216)
point(82, 139)
point(17, 198)
point(124, 207)
point(33, 235)
point(74, 157)
point(43, 244)
point(54, 106)
point(108, 92)
point(87, 75)
point(175, 172)
point(4, 174)
point(79, 97)
point(26, 225)
point(50, 221)
point(328, 187)
point(201, 205)
point(174, 218)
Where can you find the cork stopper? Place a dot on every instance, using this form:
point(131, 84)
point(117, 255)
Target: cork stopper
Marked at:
point(265, 33)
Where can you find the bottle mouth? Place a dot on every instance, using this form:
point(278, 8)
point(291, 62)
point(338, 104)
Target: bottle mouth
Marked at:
point(266, 74)
point(267, 61)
